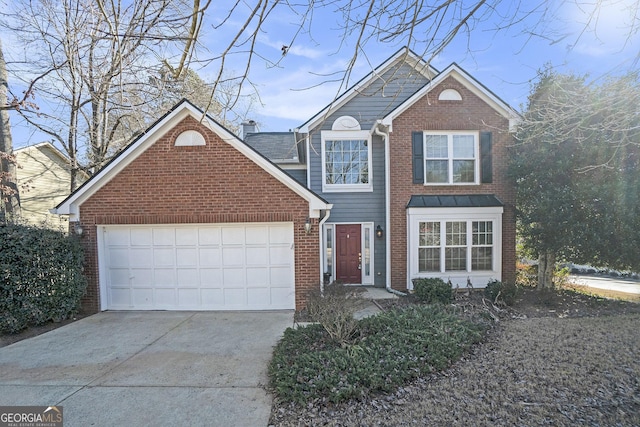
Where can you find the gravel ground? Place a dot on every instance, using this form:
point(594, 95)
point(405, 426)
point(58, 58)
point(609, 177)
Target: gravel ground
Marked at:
point(561, 360)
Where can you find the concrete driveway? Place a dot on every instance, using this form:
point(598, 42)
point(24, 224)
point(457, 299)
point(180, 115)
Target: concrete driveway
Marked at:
point(149, 368)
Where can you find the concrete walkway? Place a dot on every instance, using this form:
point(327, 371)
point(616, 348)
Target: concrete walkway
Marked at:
point(149, 368)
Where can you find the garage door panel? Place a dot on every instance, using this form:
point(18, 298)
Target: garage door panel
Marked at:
point(164, 236)
point(163, 257)
point(143, 297)
point(233, 277)
point(209, 236)
point(141, 237)
point(186, 236)
point(234, 235)
point(141, 277)
point(188, 277)
point(186, 257)
point(188, 297)
point(211, 278)
point(198, 267)
point(165, 277)
point(119, 257)
point(210, 257)
point(233, 255)
point(257, 256)
point(258, 277)
point(280, 255)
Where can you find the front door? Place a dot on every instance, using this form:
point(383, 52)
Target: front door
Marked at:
point(348, 254)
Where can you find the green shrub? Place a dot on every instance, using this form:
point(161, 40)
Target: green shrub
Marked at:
point(40, 276)
point(392, 348)
point(432, 290)
point(499, 292)
point(334, 309)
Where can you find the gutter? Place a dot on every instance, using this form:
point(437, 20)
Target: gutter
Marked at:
point(387, 207)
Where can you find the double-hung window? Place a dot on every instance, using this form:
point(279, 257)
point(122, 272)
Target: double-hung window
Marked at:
point(346, 161)
point(451, 157)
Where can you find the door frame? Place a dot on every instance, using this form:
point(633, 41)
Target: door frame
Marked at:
point(367, 242)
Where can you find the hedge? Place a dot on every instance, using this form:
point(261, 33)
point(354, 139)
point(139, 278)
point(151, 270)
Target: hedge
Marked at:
point(41, 276)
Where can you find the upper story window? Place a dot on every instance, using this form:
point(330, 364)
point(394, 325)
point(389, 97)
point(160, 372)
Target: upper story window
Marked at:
point(451, 157)
point(346, 157)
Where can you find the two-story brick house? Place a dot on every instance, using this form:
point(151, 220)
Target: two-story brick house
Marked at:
point(402, 176)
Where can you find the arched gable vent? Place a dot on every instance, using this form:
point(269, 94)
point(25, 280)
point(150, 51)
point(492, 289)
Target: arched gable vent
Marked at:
point(450, 95)
point(345, 123)
point(189, 137)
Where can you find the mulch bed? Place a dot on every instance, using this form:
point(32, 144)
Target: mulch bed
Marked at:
point(556, 358)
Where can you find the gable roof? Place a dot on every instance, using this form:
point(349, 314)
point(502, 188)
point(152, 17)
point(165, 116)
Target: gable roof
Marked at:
point(403, 54)
point(71, 205)
point(47, 146)
point(469, 82)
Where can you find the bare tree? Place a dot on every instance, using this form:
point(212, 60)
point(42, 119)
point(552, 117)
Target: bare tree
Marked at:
point(9, 195)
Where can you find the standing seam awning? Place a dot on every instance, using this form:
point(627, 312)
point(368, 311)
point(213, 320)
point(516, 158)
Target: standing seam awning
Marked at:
point(454, 201)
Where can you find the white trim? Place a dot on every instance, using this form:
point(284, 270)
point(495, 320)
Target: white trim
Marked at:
point(468, 82)
point(450, 158)
point(458, 278)
point(449, 95)
point(341, 136)
point(71, 205)
point(403, 54)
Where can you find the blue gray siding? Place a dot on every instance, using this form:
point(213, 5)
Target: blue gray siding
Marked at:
point(371, 104)
point(299, 175)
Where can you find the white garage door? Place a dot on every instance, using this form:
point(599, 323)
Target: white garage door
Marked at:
point(197, 267)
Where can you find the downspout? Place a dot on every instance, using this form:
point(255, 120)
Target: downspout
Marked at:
point(387, 207)
point(320, 224)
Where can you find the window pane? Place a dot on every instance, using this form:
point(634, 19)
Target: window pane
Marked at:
point(482, 232)
point(463, 147)
point(456, 233)
point(437, 146)
point(482, 258)
point(429, 234)
point(463, 171)
point(428, 259)
point(437, 170)
point(456, 259)
point(367, 251)
point(346, 162)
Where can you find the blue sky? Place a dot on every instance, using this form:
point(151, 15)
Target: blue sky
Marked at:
point(505, 61)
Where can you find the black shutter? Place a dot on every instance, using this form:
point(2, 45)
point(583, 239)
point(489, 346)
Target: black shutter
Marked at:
point(486, 161)
point(418, 157)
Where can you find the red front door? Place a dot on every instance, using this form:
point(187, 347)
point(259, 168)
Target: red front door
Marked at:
point(348, 254)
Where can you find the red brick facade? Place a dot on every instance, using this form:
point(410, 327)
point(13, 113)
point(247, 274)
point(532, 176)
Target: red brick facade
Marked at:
point(214, 183)
point(428, 113)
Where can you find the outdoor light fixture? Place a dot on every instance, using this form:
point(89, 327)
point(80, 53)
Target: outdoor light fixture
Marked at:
point(307, 226)
point(379, 232)
point(78, 229)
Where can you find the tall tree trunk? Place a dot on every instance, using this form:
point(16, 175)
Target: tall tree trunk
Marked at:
point(546, 268)
point(8, 183)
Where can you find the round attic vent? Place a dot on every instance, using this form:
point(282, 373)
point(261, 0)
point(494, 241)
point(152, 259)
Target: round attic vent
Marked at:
point(190, 137)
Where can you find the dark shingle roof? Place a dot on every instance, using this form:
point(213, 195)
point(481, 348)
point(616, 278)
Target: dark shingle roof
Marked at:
point(279, 147)
point(454, 201)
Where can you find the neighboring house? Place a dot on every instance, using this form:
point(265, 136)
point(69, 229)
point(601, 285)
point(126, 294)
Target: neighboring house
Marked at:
point(403, 176)
point(44, 180)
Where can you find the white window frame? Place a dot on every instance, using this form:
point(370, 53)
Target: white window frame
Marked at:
point(345, 136)
point(479, 278)
point(450, 158)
